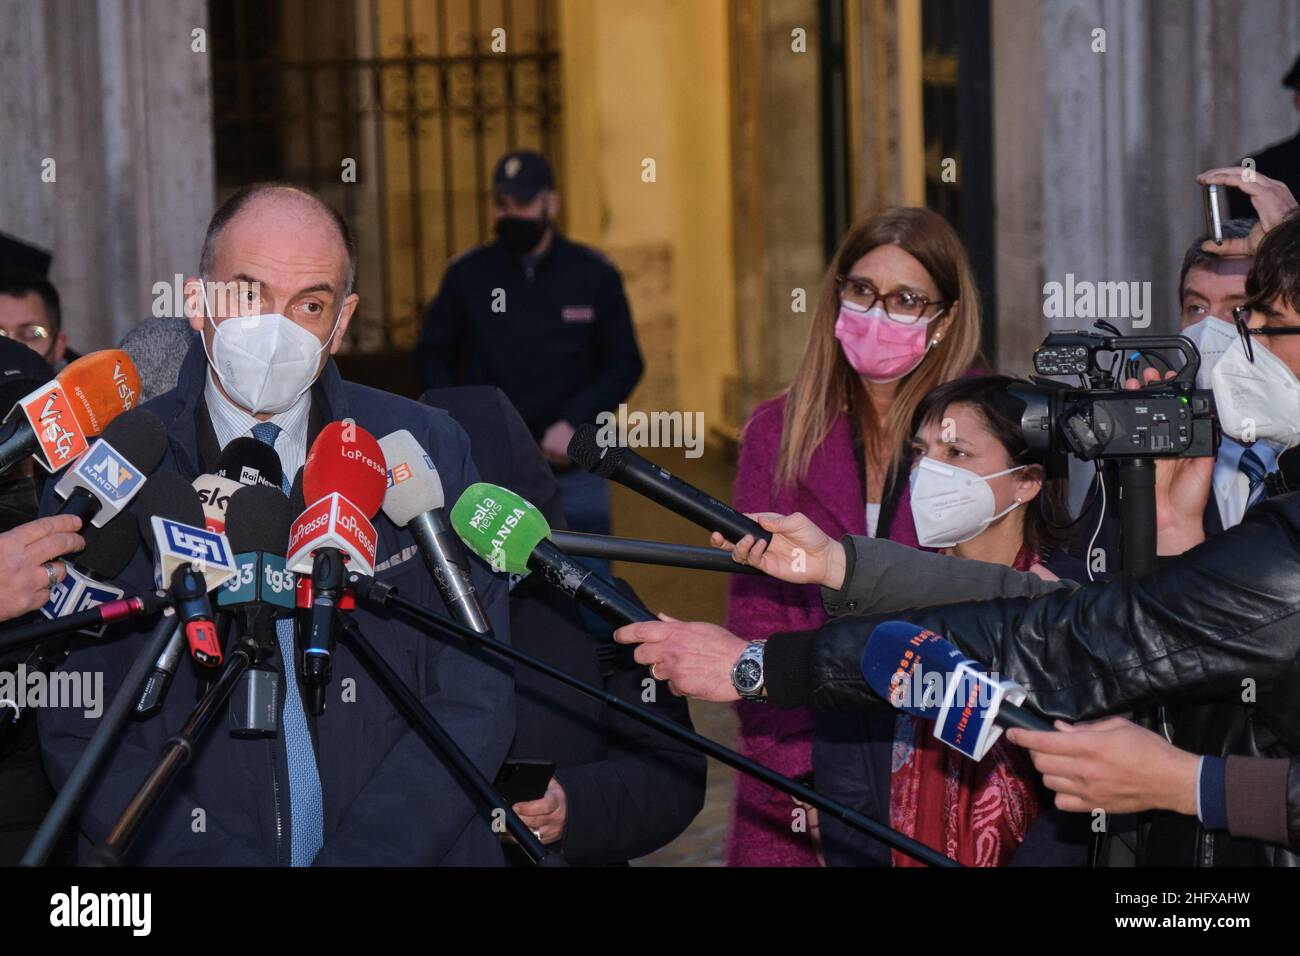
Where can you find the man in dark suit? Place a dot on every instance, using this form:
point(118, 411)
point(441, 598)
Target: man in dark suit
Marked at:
point(621, 790)
point(354, 785)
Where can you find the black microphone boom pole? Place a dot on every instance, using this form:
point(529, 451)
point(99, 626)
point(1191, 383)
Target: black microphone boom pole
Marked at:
point(176, 754)
point(580, 544)
point(412, 708)
point(99, 749)
point(646, 478)
point(386, 596)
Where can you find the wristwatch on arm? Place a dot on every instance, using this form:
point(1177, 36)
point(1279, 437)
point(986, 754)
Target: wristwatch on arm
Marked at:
point(747, 672)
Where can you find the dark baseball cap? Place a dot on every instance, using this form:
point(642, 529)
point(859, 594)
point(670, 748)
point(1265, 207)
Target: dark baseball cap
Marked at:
point(23, 255)
point(522, 174)
point(1292, 79)
point(22, 372)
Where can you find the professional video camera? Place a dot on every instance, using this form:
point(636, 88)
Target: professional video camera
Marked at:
point(1125, 429)
point(1171, 418)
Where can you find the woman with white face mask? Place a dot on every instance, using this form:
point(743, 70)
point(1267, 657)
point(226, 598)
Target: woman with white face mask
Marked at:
point(975, 493)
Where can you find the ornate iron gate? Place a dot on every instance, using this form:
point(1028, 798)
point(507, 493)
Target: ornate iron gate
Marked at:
point(393, 110)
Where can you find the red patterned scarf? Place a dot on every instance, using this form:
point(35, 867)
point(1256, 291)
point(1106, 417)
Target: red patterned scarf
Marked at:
point(976, 813)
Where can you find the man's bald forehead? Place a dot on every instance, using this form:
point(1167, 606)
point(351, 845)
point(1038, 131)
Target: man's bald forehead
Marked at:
point(287, 201)
point(279, 200)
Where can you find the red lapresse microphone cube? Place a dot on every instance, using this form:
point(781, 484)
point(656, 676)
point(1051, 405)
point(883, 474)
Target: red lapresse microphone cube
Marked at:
point(347, 460)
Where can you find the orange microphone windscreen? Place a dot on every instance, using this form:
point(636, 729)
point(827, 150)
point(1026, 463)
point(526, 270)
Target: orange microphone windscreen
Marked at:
point(345, 458)
point(100, 386)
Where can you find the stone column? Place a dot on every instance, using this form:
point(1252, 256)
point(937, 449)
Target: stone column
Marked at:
point(113, 102)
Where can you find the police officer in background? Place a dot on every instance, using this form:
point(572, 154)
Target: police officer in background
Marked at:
point(542, 318)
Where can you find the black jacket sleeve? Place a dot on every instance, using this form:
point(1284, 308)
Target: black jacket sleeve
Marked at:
point(648, 788)
point(438, 351)
point(1197, 627)
point(618, 358)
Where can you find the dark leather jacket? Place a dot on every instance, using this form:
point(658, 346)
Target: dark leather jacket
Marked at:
point(1212, 636)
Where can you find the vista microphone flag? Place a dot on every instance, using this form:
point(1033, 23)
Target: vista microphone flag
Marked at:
point(56, 422)
point(921, 674)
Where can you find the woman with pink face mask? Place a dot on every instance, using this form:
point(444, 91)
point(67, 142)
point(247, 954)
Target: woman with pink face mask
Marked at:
point(898, 315)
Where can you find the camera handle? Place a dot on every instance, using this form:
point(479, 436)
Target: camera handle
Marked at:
point(1137, 514)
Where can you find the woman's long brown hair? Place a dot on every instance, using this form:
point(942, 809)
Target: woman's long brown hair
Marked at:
point(826, 385)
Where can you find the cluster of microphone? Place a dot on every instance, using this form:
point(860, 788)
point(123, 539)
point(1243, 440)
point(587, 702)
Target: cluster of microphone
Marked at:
point(239, 549)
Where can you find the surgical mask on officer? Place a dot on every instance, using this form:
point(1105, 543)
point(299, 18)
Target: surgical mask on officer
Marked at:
point(521, 235)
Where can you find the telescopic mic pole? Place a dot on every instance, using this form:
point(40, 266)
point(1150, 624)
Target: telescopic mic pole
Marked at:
point(412, 708)
point(384, 595)
point(98, 750)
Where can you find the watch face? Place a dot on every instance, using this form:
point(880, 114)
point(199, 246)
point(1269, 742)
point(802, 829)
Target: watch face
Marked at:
point(748, 674)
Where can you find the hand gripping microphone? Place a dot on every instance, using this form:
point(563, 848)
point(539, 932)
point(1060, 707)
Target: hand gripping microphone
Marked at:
point(112, 471)
point(645, 478)
point(107, 553)
point(415, 501)
point(924, 675)
point(191, 559)
point(345, 477)
point(261, 590)
point(247, 461)
point(55, 422)
point(511, 535)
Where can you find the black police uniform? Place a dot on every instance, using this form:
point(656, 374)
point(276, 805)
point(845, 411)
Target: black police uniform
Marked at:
point(553, 332)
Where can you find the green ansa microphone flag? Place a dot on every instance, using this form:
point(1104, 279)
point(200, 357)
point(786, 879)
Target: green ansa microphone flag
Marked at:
point(499, 526)
point(511, 535)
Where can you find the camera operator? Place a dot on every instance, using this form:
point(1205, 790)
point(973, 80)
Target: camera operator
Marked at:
point(1218, 624)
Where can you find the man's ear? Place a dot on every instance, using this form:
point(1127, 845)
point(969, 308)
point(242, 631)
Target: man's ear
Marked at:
point(345, 319)
point(552, 204)
point(194, 310)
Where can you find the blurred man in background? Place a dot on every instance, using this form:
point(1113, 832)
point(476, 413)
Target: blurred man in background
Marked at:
point(29, 313)
point(542, 318)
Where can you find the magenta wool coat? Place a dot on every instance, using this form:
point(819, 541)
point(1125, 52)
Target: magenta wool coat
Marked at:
point(830, 494)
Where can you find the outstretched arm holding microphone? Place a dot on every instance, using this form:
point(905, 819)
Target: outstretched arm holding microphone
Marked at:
point(29, 564)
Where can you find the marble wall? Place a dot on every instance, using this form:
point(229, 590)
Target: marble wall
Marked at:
point(112, 99)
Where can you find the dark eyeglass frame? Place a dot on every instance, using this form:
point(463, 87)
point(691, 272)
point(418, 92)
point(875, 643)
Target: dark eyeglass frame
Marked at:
point(842, 280)
point(1241, 315)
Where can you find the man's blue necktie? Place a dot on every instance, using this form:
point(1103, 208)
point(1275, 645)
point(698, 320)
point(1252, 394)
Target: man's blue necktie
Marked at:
point(1252, 466)
point(306, 804)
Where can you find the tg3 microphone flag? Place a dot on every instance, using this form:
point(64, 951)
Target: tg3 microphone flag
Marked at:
point(921, 674)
